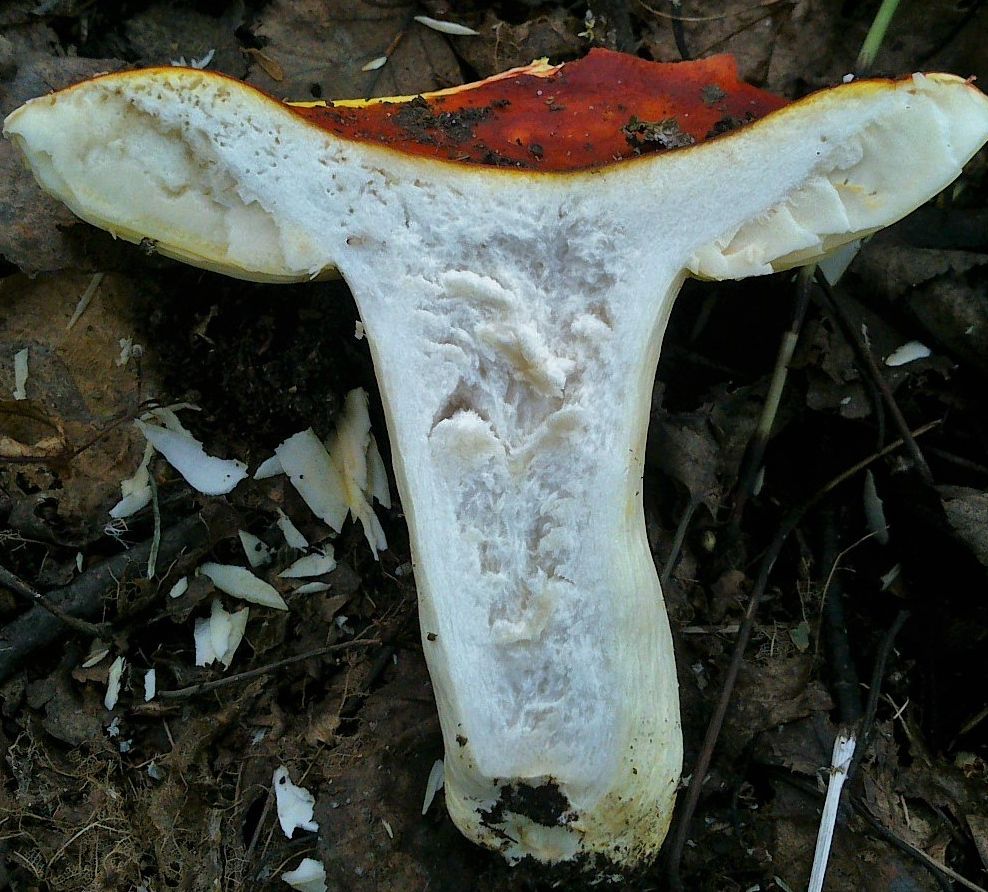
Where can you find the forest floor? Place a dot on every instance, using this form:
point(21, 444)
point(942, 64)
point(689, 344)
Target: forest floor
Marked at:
point(176, 792)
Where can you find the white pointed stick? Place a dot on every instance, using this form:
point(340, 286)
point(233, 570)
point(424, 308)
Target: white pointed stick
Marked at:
point(840, 762)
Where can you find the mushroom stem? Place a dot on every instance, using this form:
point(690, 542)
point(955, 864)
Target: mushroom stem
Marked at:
point(517, 401)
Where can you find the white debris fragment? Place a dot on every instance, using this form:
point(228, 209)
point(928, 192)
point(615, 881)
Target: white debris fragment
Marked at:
point(314, 564)
point(874, 510)
point(150, 685)
point(350, 450)
point(179, 588)
point(210, 476)
point(387, 828)
point(451, 28)
point(314, 475)
point(291, 532)
point(154, 772)
point(835, 264)
point(358, 330)
point(435, 783)
point(79, 561)
point(113, 682)
point(193, 62)
point(84, 300)
point(312, 588)
point(309, 876)
point(241, 583)
point(258, 554)
point(908, 352)
point(165, 415)
point(270, 467)
point(377, 475)
point(295, 804)
point(96, 653)
point(128, 350)
point(218, 636)
point(136, 489)
point(20, 374)
point(373, 65)
point(847, 78)
point(346, 477)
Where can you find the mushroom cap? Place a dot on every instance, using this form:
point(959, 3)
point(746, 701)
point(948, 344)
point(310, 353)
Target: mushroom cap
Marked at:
point(223, 176)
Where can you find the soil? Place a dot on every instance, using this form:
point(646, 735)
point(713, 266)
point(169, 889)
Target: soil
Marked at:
point(176, 792)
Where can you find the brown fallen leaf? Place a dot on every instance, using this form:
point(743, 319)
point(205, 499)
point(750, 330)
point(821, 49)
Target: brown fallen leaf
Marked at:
point(29, 433)
point(321, 47)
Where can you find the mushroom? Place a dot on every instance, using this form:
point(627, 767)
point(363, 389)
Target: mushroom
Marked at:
point(514, 248)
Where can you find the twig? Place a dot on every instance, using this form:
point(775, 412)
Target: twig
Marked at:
point(940, 871)
point(867, 726)
point(786, 527)
point(206, 686)
point(678, 33)
point(156, 534)
point(839, 763)
point(83, 598)
point(755, 452)
point(677, 543)
point(828, 299)
point(845, 677)
point(19, 587)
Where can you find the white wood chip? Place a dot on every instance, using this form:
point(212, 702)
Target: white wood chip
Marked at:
point(258, 554)
point(313, 474)
point(435, 783)
point(295, 804)
point(113, 682)
point(209, 475)
point(377, 475)
point(309, 876)
point(179, 588)
point(908, 352)
point(218, 636)
point(312, 588)
point(874, 510)
point(136, 489)
point(270, 467)
point(452, 28)
point(291, 532)
point(241, 583)
point(84, 300)
point(374, 64)
point(150, 685)
point(96, 653)
point(20, 374)
point(311, 565)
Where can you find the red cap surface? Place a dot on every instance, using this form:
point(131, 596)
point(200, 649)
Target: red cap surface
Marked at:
point(600, 109)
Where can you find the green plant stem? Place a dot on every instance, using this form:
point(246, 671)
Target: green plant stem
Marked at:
point(876, 35)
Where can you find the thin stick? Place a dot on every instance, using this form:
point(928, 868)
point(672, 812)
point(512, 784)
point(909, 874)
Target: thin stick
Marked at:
point(19, 587)
point(755, 453)
point(206, 686)
point(931, 864)
point(678, 33)
point(865, 356)
point(788, 524)
point(867, 725)
point(156, 535)
point(839, 763)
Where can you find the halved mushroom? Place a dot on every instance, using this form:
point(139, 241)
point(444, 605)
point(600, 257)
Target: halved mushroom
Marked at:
point(514, 248)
